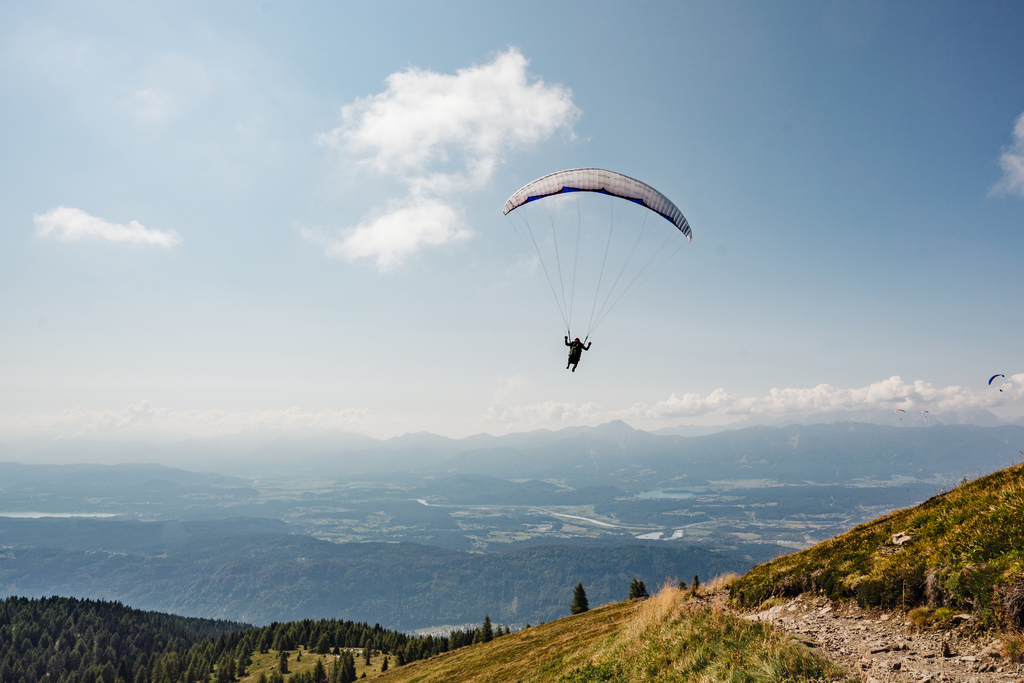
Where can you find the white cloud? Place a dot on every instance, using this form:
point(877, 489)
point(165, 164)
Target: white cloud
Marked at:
point(891, 393)
point(877, 398)
point(440, 134)
point(143, 419)
point(399, 232)
point(68, 224)
point(1012, 162)
point(544, 413)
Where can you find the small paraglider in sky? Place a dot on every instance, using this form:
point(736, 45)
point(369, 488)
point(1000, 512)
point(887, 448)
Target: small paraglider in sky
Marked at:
point(925, 413)
point(900, 410)
point(993, 377)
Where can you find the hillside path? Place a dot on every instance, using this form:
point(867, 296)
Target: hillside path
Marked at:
point(880, 647)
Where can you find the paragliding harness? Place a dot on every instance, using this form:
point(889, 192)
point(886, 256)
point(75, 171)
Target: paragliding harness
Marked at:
point(576, 349)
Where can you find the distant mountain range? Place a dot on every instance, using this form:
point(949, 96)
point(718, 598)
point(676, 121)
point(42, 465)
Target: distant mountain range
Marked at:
point(839, 452)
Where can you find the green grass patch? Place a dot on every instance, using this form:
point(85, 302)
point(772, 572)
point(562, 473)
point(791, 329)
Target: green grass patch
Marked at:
point(267, 663)
point(965, 552)
point(665, 638)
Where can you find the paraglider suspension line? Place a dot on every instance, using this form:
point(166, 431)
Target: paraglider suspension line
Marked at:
point(611, 229)
point(629, 290)
point(625, 264)
point(547, 276)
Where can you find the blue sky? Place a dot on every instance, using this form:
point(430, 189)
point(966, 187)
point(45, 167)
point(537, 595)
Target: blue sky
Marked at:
point(850, 170)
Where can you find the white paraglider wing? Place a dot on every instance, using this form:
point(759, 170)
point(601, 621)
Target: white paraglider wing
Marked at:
point(604, 182)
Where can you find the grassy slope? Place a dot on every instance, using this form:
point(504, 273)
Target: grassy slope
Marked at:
point(666, 638)
point(267, 663)
point(964, 546)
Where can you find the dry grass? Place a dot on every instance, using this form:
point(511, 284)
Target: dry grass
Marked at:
point(668, 637)
point(720, 582)
point(539, 653)
point(267, 663)
point(1013, 648)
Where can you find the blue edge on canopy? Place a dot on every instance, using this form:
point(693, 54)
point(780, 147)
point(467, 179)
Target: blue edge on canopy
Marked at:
point(603, 191)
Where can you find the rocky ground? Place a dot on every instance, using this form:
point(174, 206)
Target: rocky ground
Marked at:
point(882, 647)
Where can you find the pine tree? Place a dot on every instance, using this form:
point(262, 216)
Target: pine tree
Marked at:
point(384, 665)
point(487, 633)
point(346, 668)
point(682, 585)
point(637, 590)
point(366, 654)
point(696, 584)
point(282, 662)
point(319, 672)
point(579, 600)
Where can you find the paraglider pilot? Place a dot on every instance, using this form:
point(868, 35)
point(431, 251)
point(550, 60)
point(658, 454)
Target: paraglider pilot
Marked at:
point(576, 349)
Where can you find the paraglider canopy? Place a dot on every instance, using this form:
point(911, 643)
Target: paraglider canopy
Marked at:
point(993, 377)
point(604, 182)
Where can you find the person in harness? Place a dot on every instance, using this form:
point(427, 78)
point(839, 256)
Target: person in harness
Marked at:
point(576, 349)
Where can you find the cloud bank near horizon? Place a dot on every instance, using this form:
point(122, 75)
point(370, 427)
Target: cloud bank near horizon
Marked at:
point(873, 403)
point(824, 399)
point(143, 419)
point(68, 224)
point(439, 135)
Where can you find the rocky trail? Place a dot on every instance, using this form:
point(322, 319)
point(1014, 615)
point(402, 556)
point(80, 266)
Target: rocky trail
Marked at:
point(881, 647)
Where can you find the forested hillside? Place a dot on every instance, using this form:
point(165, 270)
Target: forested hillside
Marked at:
point(85, 641)
point(65, 640)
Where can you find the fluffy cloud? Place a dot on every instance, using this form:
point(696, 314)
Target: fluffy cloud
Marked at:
point(143, 418)
point(1012, 162)
point(545, 413)
point(440, 134)
point(71, 225)
point(824, 398)
point(873, 399)
point(396, 233)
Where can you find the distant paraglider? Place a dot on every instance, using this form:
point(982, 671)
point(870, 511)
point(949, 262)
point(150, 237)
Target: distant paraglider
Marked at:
point(925, 413)
point(993, 377)
point(900, 410)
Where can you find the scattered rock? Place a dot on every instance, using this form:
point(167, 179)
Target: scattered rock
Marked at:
point(900, 538)
point(959, 618)
point(994, 650)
